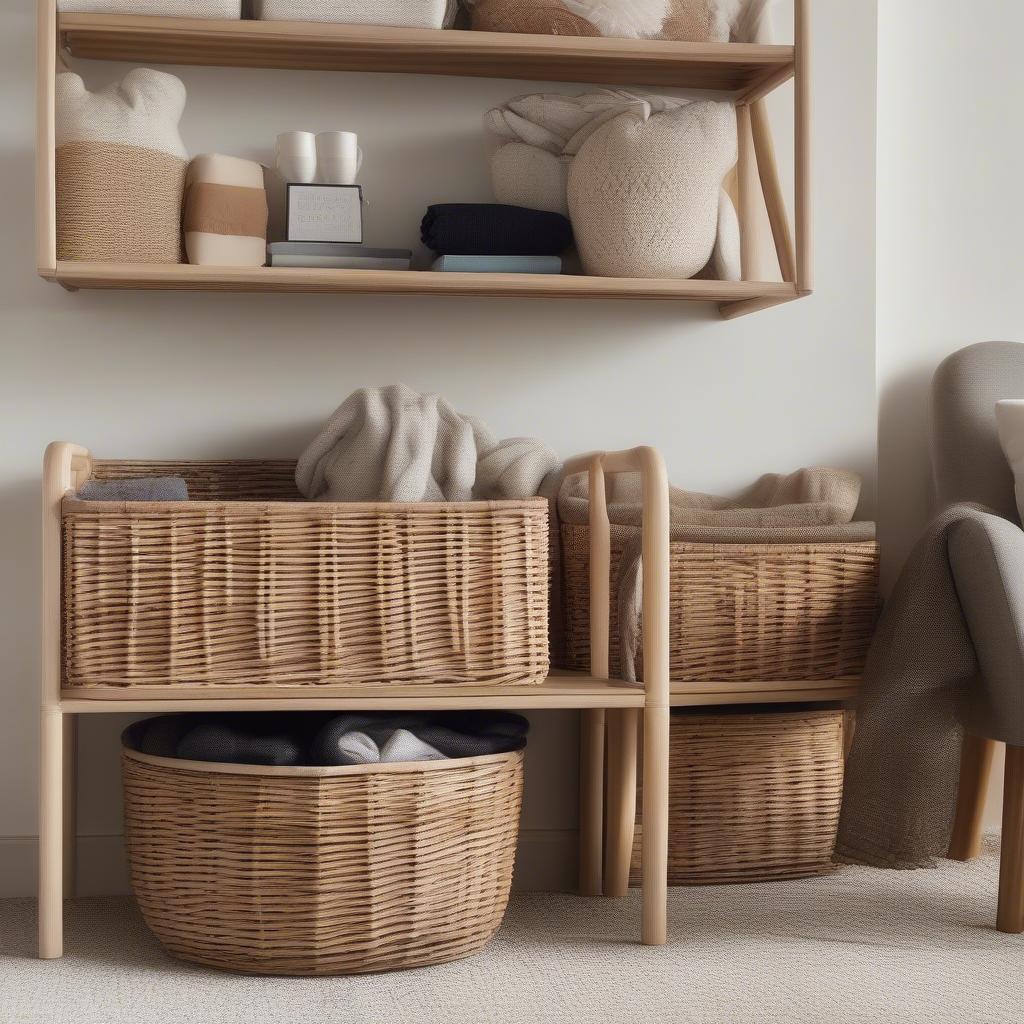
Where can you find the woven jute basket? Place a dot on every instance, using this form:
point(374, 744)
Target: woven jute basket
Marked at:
point(743, 612)
point(753, 797)
point(247, 585)
point(310, 871)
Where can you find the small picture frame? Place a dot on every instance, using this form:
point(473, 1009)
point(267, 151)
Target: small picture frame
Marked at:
point(325, 213)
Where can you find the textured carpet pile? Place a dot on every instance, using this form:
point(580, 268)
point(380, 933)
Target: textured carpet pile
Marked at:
point(861, 945)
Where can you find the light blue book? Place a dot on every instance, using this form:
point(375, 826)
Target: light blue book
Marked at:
point(499, 264)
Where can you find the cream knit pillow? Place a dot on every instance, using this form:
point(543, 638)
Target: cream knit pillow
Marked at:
point(226, 9)
point(120, 169)
point(644, 190)
point(393, 13)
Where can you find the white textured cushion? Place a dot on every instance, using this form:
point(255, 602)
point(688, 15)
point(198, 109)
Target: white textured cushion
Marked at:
point(226, 9)
point(393, 13)
point(644, 190)
point(1010, 421)
point(143, 109)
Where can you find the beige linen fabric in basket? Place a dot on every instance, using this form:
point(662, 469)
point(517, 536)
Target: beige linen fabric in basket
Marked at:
point(388, 13)
point(226, 9)
point(815, 505)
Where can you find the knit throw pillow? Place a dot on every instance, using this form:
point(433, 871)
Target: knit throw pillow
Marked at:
point(389, 13)
point(644, 189)
point(120, 169)
point(226, 9)
point(696, 21)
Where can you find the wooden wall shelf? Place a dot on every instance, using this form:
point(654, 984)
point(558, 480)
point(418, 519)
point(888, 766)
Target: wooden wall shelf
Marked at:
point(726, 67)
point(747, 73)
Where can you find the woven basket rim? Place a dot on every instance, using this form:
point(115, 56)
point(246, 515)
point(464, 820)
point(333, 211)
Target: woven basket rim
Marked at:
point(321, 771)
point(73, 505)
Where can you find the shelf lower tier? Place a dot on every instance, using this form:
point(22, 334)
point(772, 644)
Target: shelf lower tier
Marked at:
point(183, 277)
point(561, 691)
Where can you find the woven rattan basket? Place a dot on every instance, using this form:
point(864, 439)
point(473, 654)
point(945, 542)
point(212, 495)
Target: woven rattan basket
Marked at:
point(742, 612)
point(249, 586)
point(753, 796)
point(322, 870)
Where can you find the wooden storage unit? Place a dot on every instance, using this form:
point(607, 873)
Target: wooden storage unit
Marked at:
point(746, 72)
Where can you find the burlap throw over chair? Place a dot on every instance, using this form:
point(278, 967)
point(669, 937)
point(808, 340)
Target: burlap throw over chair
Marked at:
point(120, 169)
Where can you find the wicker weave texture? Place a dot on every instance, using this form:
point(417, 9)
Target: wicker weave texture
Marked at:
point(322, 871)
point(742, 612)
point(232, 593)
point(752, 797)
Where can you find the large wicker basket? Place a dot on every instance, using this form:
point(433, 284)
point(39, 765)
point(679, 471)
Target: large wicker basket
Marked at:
point(753, 796)
point(249, 586)
point(310, 871)
point(743, 612)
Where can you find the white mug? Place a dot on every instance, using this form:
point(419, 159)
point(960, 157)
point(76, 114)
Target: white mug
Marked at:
point(296, 157)
point(339, 158)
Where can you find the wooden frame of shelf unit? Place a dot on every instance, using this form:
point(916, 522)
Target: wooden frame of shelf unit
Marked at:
point(68, 466)
point(746, 72)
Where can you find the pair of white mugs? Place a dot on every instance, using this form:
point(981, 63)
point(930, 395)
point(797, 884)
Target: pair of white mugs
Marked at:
point(331, 158)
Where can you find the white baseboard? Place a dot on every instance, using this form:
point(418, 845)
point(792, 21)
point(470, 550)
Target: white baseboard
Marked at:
point(545, 862)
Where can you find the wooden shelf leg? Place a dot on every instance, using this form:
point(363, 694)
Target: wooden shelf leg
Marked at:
point(70, 809)
point(1011, 864)
point(975, 770)
point(771, 188)
point(51, 837)
point(655, 830)
point(747, 186)
point(591, 829)
point(804, 239)
point(621, 806)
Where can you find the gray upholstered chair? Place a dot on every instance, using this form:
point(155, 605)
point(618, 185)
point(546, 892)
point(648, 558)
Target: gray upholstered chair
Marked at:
point(987, 558)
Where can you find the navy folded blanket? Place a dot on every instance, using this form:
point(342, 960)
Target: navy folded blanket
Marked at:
point(315, 737)
point(491, 229)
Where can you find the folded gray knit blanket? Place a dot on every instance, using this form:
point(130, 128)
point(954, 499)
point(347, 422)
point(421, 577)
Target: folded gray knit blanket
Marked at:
point(144, 488)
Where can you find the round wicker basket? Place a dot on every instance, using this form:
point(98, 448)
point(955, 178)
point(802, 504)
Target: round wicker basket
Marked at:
point(753, 797)
point(321, 871)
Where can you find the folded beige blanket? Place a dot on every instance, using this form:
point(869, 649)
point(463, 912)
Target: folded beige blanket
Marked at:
point(809, 506)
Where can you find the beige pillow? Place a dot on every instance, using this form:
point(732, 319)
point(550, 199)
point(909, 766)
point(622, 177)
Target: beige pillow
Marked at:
point(226, 9)
point(645, 190)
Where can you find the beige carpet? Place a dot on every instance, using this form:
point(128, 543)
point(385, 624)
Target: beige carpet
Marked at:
point(860, 945)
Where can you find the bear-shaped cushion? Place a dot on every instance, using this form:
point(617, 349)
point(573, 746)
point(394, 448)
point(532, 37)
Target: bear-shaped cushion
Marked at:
point(538, 139)
point(697, 21)
point(645, 189)
point(120, 168)
point(226, 9)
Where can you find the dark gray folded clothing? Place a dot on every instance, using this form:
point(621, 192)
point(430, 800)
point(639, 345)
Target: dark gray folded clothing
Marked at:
point(491, 229)
point(314, 737)
point(144, 488)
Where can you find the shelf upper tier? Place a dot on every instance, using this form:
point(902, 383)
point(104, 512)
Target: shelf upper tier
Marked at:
point(727, 67)
point(164, 277)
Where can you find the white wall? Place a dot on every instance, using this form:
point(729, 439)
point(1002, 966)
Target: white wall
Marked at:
point(220, 375)
point(950, 221)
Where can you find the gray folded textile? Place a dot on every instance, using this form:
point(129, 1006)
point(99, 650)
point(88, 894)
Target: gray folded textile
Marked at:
point(146, 488)
point(903, 770)
point(406, 746)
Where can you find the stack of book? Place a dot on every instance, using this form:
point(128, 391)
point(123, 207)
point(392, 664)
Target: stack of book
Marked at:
point(498, 264)
point(337, 256)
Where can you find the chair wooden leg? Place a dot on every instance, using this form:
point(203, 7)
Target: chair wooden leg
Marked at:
point(70, 815)
point(51, 838)
point(1011, 864)
point(591, 829)
point(621, 803)
point(655, 830)
point(975, 770)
